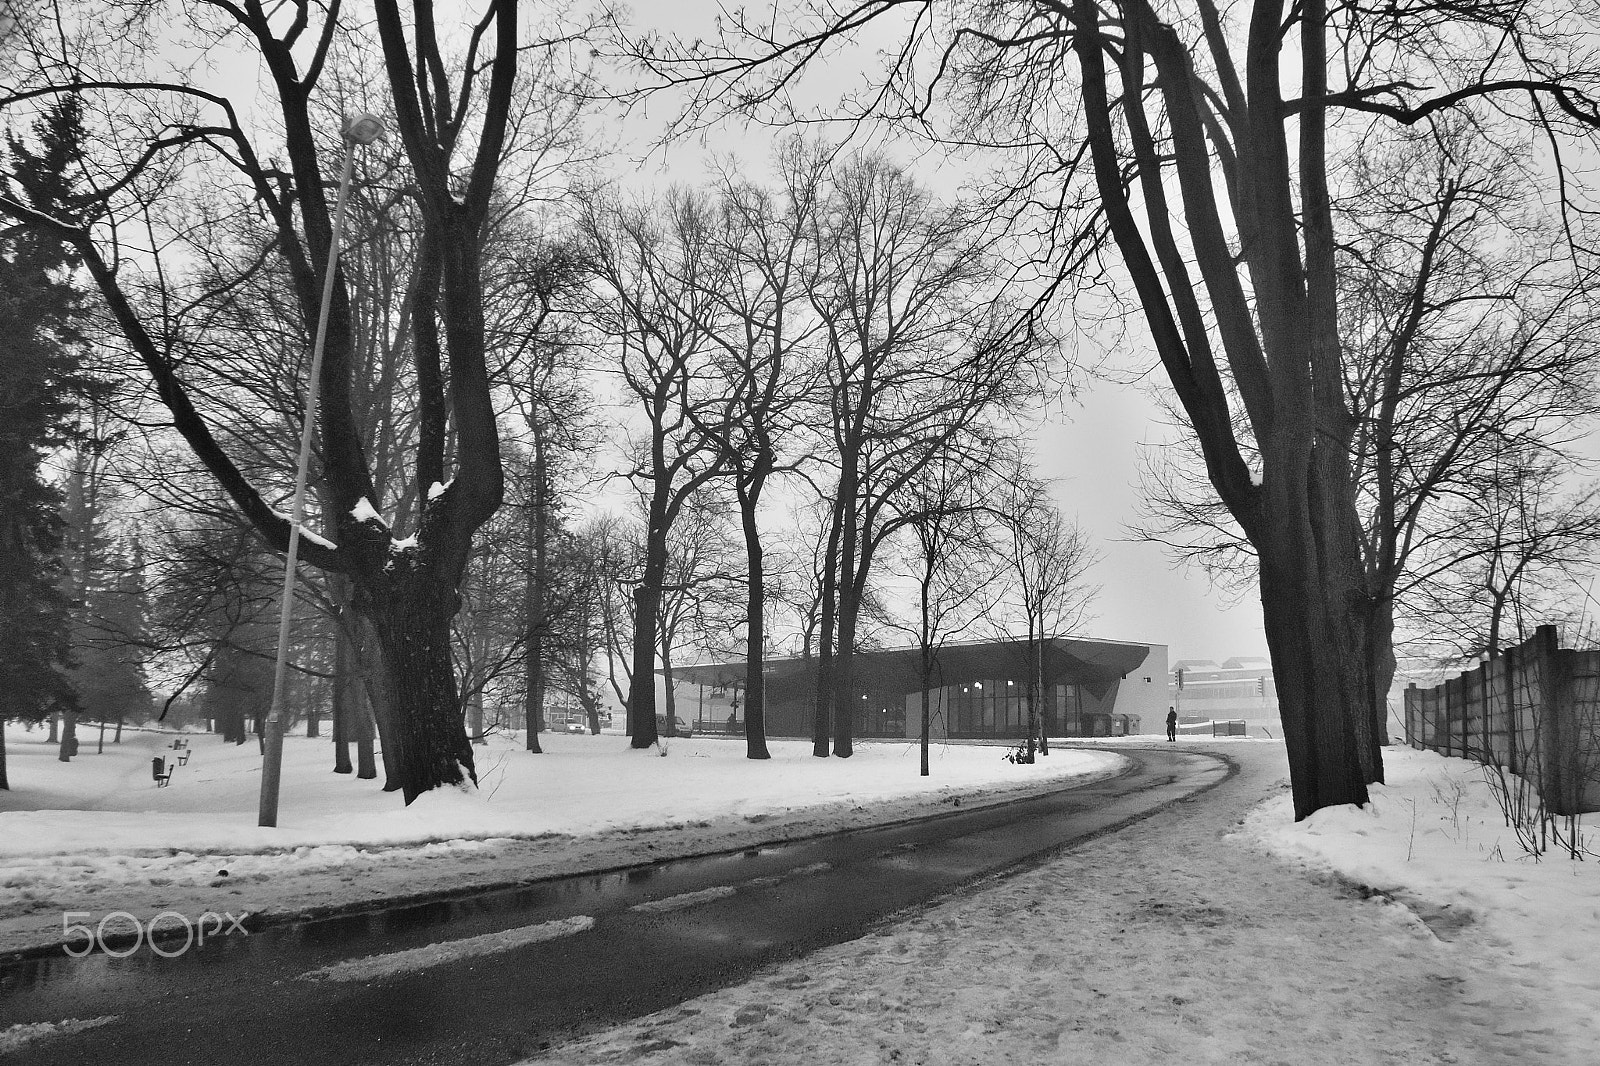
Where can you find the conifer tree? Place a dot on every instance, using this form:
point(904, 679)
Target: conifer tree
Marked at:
point(40, 349)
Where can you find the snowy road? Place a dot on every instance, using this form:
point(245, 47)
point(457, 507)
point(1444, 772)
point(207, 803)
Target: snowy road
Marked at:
point(515, 972)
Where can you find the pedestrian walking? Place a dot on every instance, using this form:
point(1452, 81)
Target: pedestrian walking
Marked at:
point(1172, 724)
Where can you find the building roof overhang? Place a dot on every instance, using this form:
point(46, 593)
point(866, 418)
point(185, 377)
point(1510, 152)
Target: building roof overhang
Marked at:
point(1095, 664)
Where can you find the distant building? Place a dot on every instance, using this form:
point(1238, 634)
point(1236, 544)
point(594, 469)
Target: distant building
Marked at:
point(1092, 688)
point(1237, 689)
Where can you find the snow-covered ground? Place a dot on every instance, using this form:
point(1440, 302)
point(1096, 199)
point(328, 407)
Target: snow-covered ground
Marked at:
point(1215, 932)
point(97, 835)
point(1411, 932)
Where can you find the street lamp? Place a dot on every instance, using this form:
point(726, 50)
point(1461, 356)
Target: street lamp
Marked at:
point(359, 129)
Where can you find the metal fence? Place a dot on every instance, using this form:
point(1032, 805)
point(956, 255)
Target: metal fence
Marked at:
point(1534, 710)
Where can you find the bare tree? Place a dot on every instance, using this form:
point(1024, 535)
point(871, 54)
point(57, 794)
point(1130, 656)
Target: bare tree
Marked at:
point(1115, 122)
point(614, 546)
point(920, 349)
point(951, 560)
point(656, 273)
point(1048, 560)
point(541, 280)
point(767, 362)
point(700, 593)
point(582, 627)
point(1467, 333)
point(1517, 545)
point(455, 135)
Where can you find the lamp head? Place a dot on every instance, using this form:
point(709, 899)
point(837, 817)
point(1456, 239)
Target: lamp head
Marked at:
point(363, 128)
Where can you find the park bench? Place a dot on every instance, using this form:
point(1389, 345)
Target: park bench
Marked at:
point(183, 756)
point(161, 771)
point(179, 744)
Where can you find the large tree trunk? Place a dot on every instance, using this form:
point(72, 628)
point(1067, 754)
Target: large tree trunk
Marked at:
point(755, 696)
point(670, 711)
point(374, 714)
point(927, 697)
point(5, 783)
point(1036, 684)
point(345, 683)
point(1323, 694)
point(849, 607)
point(843, 675)
point(69, 735)
point(646, 605)
point(828, 593)
point(366, 730)
point(590, 702)
point(857, 555)
point(230, 721)
point(425, 733)
point(1027, 694)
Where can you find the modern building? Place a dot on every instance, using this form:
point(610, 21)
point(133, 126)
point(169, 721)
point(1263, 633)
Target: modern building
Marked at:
point(977, 691)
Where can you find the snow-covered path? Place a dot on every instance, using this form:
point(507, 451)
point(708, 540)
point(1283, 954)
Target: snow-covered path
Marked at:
point(1175, 940)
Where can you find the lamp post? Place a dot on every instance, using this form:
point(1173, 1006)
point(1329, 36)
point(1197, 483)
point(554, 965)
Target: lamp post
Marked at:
point(360, 129)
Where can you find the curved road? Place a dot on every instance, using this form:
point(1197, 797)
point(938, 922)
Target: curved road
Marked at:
point(591, 950)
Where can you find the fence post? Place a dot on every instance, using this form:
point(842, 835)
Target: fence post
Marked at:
point(1557, 738)
point(1485, 701)
point(1511, 663)
point(1452, 711)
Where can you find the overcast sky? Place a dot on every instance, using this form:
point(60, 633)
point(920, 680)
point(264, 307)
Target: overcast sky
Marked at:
point(1092, 453)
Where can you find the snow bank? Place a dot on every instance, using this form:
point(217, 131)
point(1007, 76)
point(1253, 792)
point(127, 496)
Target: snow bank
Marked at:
point(1433, 841)
point(96, 834)
point(104, 805)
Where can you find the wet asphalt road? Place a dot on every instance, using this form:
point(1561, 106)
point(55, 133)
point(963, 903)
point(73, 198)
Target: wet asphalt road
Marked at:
point(635, 941)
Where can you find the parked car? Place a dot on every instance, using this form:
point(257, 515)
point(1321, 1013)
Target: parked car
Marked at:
point(683, 727)
point(577, 726)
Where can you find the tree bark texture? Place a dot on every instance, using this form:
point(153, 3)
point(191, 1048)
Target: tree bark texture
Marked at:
point(646, 618)
point(755, 687)
point(428, 735)
point(345, 680)
point(1281, 344)
point(848, 596)
point(828, 594)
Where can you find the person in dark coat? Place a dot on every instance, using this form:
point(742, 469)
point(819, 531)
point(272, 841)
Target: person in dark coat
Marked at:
point(1172, 723)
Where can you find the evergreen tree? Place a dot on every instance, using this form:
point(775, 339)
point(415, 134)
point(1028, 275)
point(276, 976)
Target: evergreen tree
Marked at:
point(40, 349)
point(108, 674)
